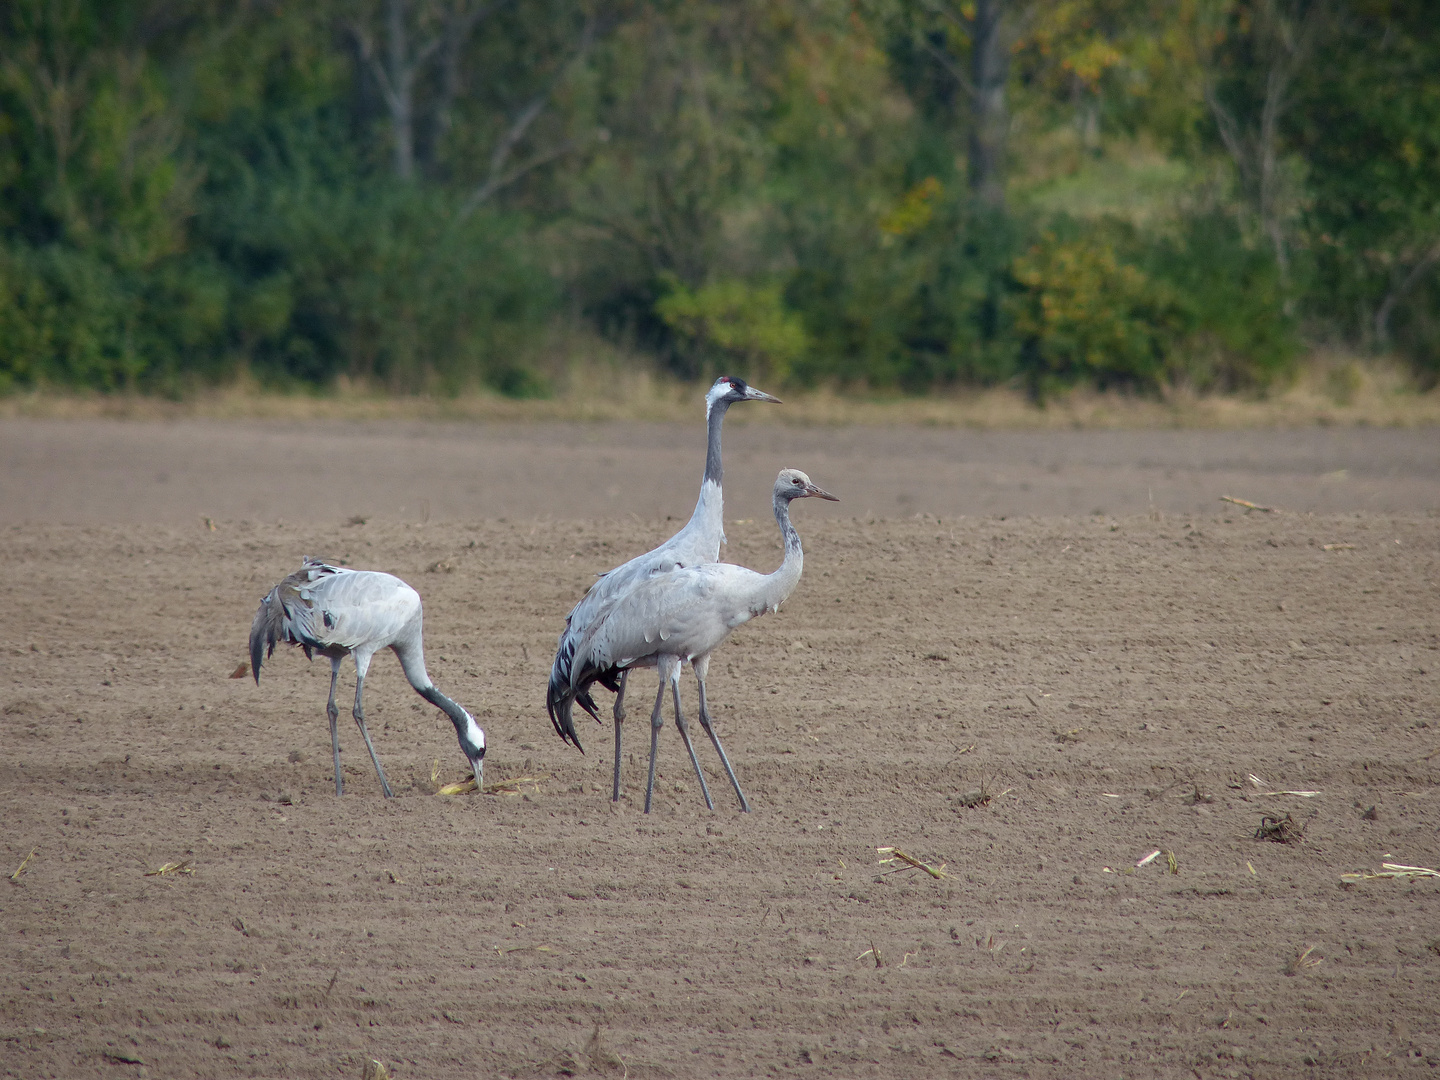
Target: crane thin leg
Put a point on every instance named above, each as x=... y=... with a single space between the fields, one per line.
x=709 y=727
x=620 y=697
x=334 y=714
x=619 y=719
x=656 y=721
x=685 y=734
x=615 y=790
x=360 y=720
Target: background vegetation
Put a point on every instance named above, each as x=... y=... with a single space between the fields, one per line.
x=421 y=194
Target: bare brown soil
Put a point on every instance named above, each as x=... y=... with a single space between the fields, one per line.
x=1029 y=705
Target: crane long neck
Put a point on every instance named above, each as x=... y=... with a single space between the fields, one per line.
x=707 y=522
x=412 y=659
x=457 y=715
x=714 y=420
x=778 y=586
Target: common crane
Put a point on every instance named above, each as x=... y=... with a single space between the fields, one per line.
x=683 y=616
x=339 y=612
x=698 y=542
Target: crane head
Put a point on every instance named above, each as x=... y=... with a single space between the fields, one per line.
x=732 y=388
x=472 y=742
x=794 y=484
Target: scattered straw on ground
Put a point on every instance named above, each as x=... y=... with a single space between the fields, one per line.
x=170 y=868
x=1250 y=505
x=1392 y=871
x=912 y=863
x=1284 y=830
x=1303 y=962
x=513 y=786
x=15 y=877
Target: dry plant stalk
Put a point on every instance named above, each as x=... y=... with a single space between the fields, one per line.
x=171 y=868
x=1338 y=547
x=1392 y=870
x=1249 y=505
x=1284 y=830
x=1257 y=782
x=600 y=1056
x=499 y=787
x=912 y=863
x=1304 y=962
x=872 y=951
x=241 y=671
x=15 y=877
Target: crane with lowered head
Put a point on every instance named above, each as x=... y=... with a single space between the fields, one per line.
x=339 y=612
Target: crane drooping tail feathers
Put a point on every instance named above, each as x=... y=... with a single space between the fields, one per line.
x=284 y=615
x=561 y=702
x=566 y=690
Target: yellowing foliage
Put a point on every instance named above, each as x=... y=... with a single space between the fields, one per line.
x=1086 y=314
x=915 y=209
x=745 y=324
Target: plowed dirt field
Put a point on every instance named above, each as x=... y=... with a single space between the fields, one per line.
x=1026 y=696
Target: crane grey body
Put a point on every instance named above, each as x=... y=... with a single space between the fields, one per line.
x=339 y=612
x=698 y=542
x=682 y=617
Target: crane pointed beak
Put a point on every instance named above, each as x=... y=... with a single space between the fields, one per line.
x=752 y=394
x=477 y=766
x=820 y=493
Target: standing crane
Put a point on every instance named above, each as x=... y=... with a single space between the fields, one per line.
x=339 y=612
x=684 y=616
x=698 y=542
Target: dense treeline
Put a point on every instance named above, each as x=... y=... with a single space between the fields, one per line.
x=897 y=193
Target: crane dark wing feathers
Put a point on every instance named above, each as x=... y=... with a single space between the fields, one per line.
x=283 y=615
x=565 y=689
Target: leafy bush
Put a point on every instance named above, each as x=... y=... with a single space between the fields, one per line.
x=1237 y=334
x=1086 y=315
x=1108 y=307
x=746 y=329
x=380 y=282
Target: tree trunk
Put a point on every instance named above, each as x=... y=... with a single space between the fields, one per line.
x=989 y=120
x=401 y=98
x=1397 y=293
x=395 y=74
x=1283 y=37
x=460 y=24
